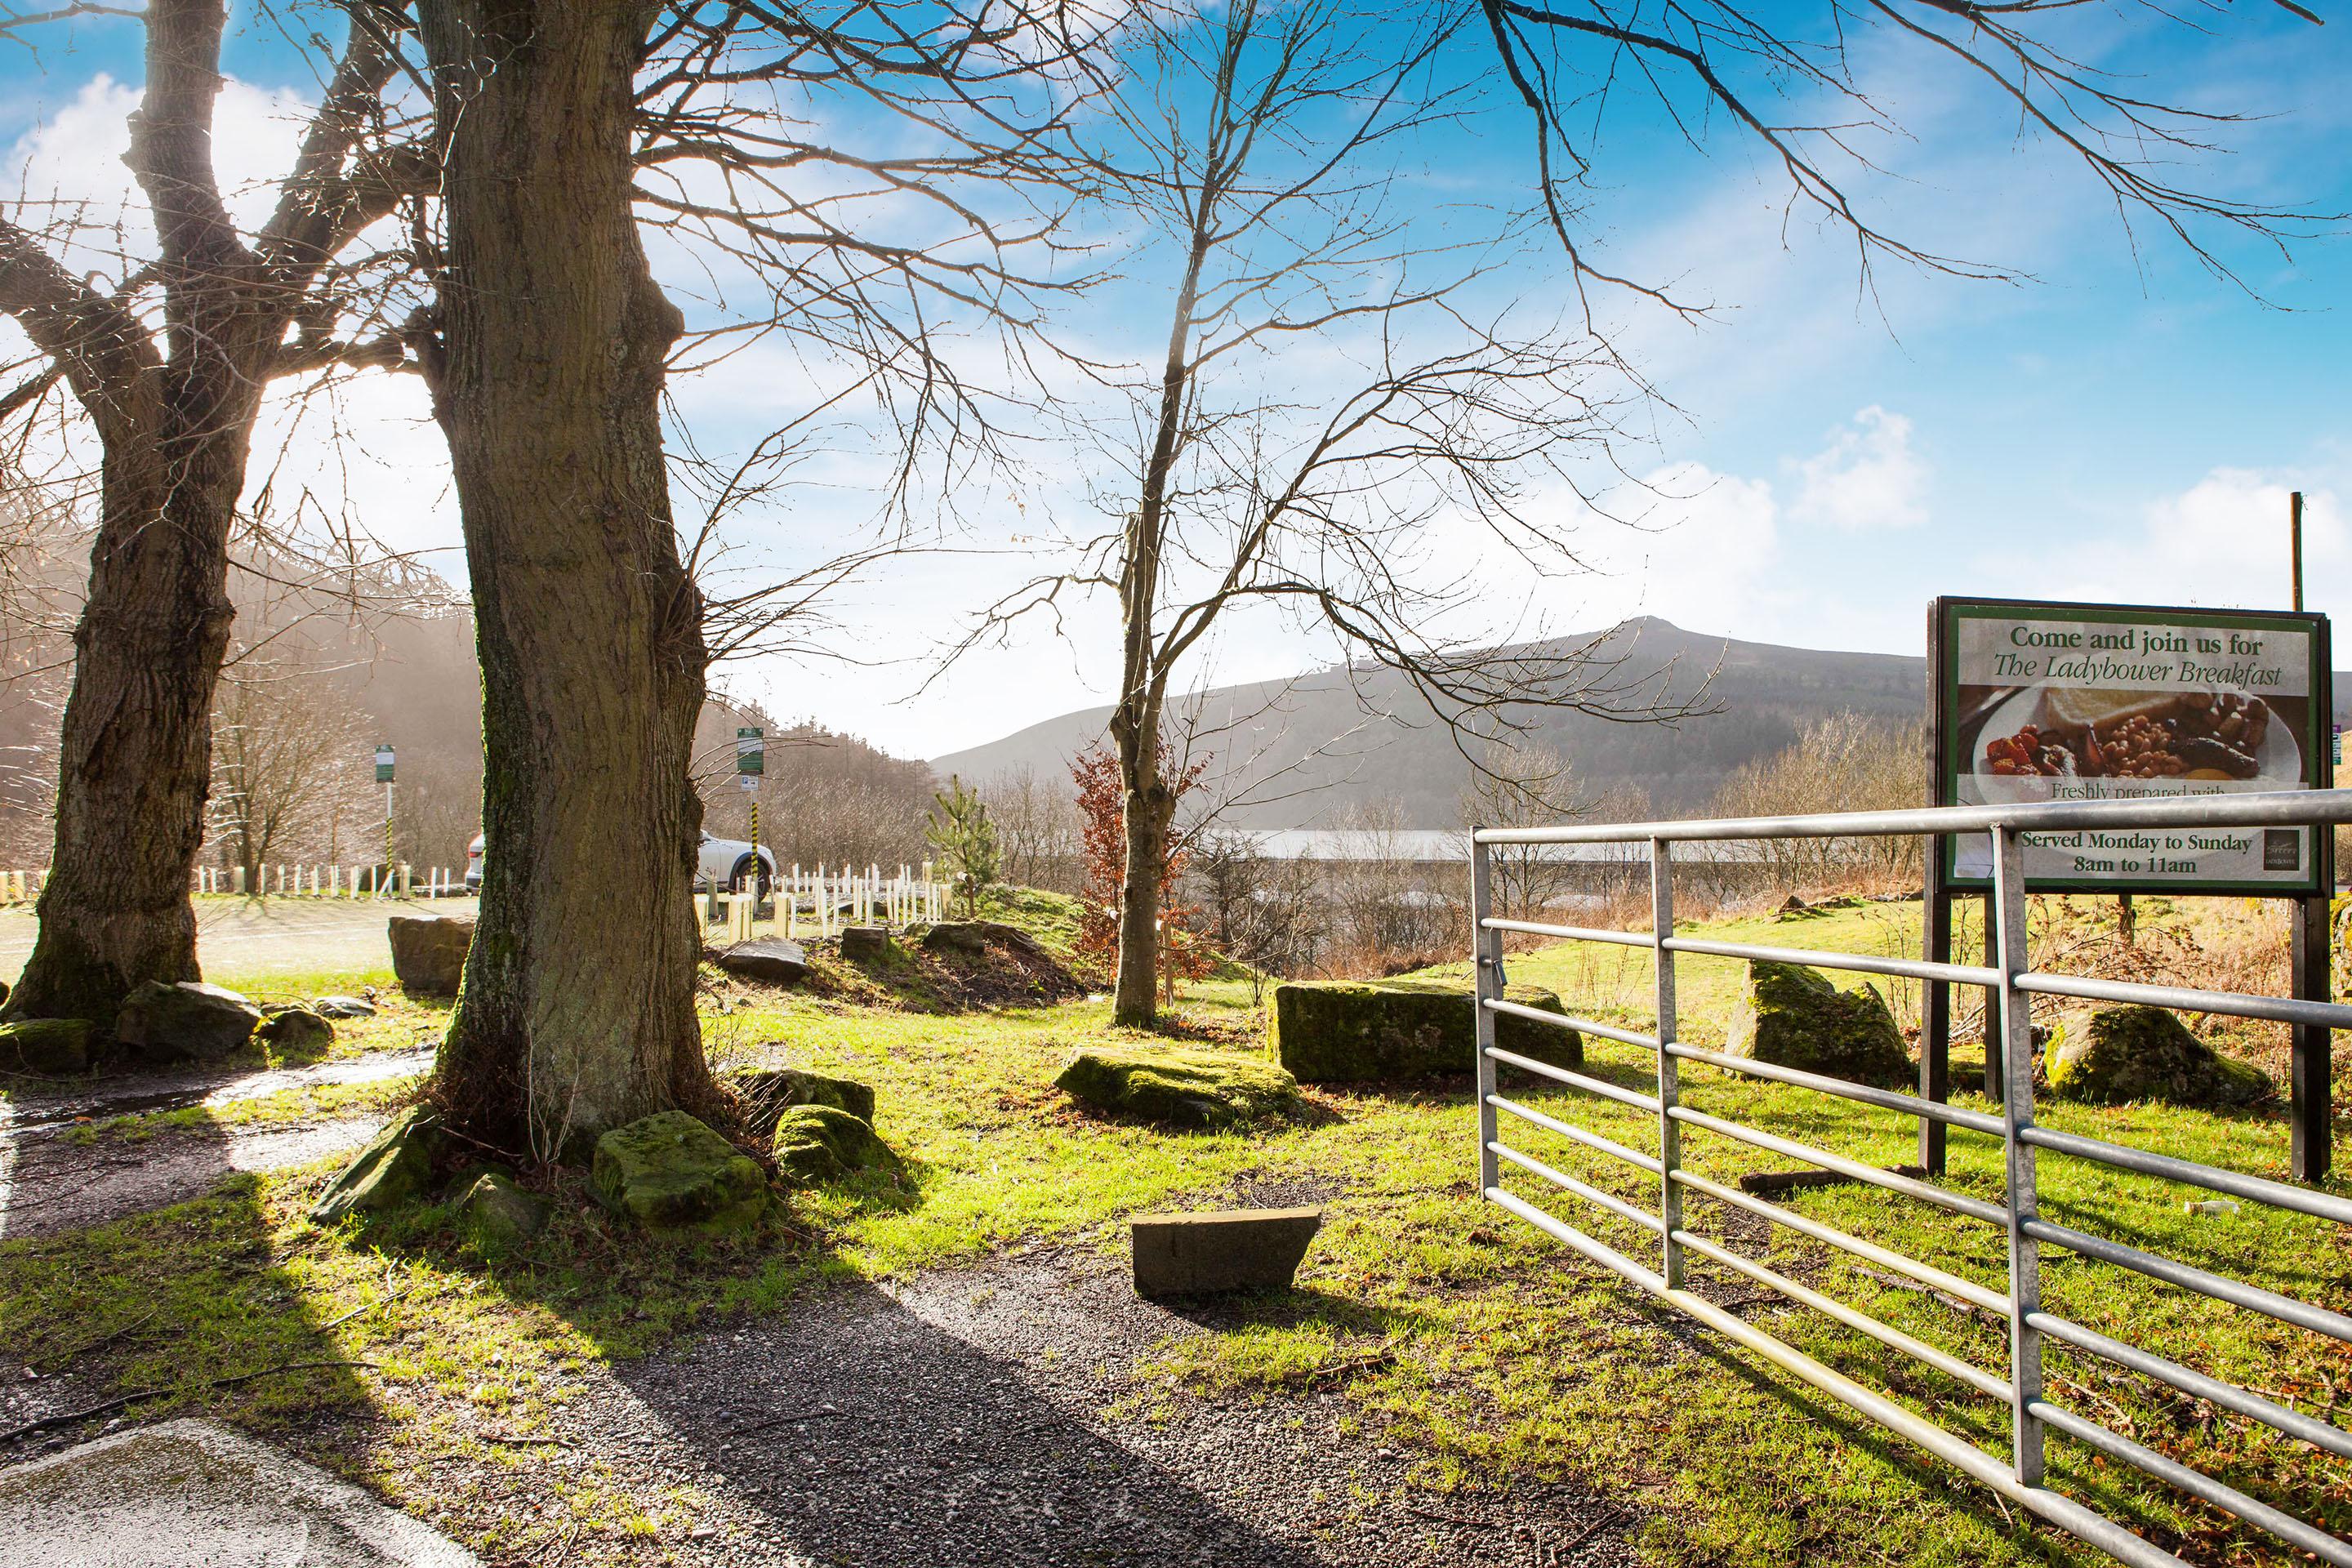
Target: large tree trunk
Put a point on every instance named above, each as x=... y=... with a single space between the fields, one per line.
x=135 y=753
x=577 y=1012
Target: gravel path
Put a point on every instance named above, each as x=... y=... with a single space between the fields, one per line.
x=50 y=1182
x=960 y=1420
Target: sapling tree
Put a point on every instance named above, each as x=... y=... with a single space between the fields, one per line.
x=963 y=837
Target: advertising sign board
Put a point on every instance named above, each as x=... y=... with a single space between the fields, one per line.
x=2041 y=701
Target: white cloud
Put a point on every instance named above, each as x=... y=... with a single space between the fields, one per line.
x=2221 y=542
x=1867 y=477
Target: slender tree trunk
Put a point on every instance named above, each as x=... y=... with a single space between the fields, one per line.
x=1148 y=811
x=576 y=1014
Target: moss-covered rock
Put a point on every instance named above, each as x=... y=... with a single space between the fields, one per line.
x=670 y=1172
x=1367 y=1031
x=187 y=1020
x=1179 y=1087
x=2108 y=1056
x=296 y=1032
x=394 y=1168
x=57 y=1047
x=498 y=1215
x=771 y=1091
x=1793 y=1016
x=820 y=1143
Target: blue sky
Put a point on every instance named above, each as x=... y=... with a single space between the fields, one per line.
x=2119 y=426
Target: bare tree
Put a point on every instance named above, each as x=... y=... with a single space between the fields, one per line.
x=287 y=757
x=167 y=362
x=1843 y=762
x=1263 y=911
x=1526 y=786
x=1256 y=141
x=1037 y=825
x=566 y=125
x=1387 y=913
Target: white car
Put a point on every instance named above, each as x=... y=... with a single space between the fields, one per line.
x=728 y=860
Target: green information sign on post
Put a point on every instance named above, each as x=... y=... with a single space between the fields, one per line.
x=383 y=760
x=751 y=751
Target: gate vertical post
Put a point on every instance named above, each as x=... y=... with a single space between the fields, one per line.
x=1670 y=1137
x=1487 y=979
x=2016 y=1115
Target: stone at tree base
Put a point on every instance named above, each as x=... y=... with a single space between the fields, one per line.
x=498 y=1215
x=189 y=1019
x=864 y=944
x=1793 y=1016
x=428 y=951
x=1201 y=1254
x=670 y=1172
x=770 y=961
x=55 y=1047
x=1369 y=1031
x=394 y=1168
x=343 y=1007
x=2109 y=1055
x=1177 y=1086
x=297 y=1031
x=772 y=1091
x=820 y=1143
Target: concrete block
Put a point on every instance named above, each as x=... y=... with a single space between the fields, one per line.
x=1201 y=1254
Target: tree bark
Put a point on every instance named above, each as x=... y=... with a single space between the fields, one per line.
x=577 y=1012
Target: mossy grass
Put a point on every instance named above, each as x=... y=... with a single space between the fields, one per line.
x=1460 y=1335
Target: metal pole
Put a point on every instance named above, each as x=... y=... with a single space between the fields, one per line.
x=755 y=852
x=2294 y=540
x=387 y=841
x=2017 y=1116
x=1487 y=982
x=1670 y=1139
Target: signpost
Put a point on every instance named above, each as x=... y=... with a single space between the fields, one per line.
x=2033 y=701
x=384 y=765
x=750 y=765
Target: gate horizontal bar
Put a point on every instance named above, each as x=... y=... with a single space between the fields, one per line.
x=1576 y=1134
x=1927 y=1274
x=2058 y=1509
x=1572 y=933
x=2196 y=1483
x=2270 y=808
x=2237 y=1292
x=1584 y=1190
x=1950 y=1365
x=2213 y=1178
x=2284 y=1009
x=1860 y=962
x=1887 y=1099
x=1975 y=1208
x=1606 y=1090
x=2228 y=1395
x=1570 y=1021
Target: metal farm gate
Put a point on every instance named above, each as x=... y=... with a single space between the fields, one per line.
x=2011 y=986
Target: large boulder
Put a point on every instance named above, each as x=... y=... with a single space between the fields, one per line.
x=57 y=1047
x=1179 y=1087
x=672 y=1173
x=774 y=1090
x=770 y=961
x=188 y=1020
x=296 y=1032
x=498 y=1215
x=428 y=951
x=820 y=1143
x=1369 y=1031
x=2108 y=1056
x=864 y=944
x=1793 y=1016
x=393 y=1169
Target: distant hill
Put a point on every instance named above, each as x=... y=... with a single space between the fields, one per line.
x=1382 y=741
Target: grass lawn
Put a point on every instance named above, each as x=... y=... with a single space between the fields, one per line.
x=1463 y=1335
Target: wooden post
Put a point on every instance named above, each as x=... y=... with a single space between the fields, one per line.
x=1936 y=1013
x=1995 y=1026
x=2295 y=542
x=2127 y=921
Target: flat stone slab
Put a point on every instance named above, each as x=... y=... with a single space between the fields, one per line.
x=772 y=961
x=1204 y=1254
x=194 y=1494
